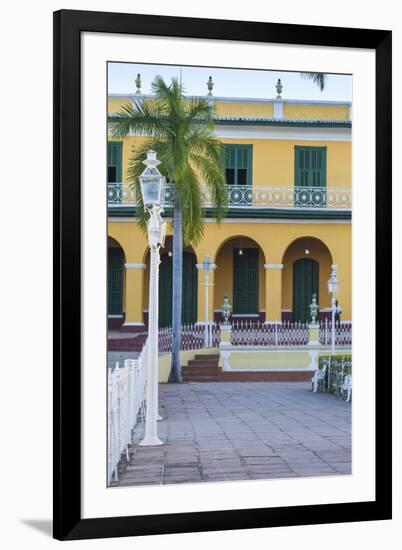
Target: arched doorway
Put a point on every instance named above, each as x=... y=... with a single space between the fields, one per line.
x=306 y=268
x=189 y=296
x=241 y=275
x=305 y=284
x=115 y=277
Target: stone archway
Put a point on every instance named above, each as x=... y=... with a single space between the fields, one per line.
x=240 y=273
x=306 y=268
x=115 y=283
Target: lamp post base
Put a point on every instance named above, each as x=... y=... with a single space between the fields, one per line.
x=150 y=442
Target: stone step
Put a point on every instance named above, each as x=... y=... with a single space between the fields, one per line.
x=199 y=372
x=202 y=363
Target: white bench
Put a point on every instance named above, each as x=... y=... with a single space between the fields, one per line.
x=318 y=376
x=346 y=387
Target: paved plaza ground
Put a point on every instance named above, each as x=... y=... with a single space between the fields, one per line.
x=243 y=430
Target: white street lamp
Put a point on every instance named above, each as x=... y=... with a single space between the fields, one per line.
x=333 y=287
x=151 y=182
x=207 y=266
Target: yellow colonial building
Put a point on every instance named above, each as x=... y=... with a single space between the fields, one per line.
x=288 y=176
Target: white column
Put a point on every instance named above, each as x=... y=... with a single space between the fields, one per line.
x=151 y=417
x=208 y=328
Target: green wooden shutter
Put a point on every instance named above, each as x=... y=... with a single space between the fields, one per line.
x=114 y=161
x=310 y=166
x=115 y=281
x=189 y=300
x=238 y=164
x=189 y=295
x=305 y=284
x=245 y=281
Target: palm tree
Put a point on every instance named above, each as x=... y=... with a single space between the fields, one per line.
x=317 y=78
x=179 y=129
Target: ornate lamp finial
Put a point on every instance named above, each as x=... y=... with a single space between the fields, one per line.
x=138 y=83
x=210 y=85
x=226 y=310
x=314 y=309
x=279 y=89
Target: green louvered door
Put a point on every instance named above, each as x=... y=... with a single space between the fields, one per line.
x=189 y=302
x=114 y=161
x=305 y=284
x=115 y=281
x=245 y=281
x=311 y=171
x=238 y=172
x=189 y=298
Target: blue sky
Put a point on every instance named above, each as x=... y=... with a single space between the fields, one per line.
x=229 y=82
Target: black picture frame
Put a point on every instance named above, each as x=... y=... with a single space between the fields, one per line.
x=68 y=26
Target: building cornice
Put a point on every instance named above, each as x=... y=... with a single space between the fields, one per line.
x=246 y=214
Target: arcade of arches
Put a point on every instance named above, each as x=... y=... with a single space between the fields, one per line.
x=268 y=279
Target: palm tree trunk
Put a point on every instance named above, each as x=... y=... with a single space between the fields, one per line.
x=175 y=369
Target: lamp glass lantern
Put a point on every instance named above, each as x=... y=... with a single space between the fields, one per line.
x=333 y=283
x=151 y=181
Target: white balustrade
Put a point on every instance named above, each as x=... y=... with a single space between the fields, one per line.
x=250 y=196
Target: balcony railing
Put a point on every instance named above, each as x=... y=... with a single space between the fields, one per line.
x=245 y=196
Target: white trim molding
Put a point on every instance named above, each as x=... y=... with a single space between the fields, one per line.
x=135 y=266
x=273 y=266
x=292 y=133
x=115 y=316
x=132 y=324
x=238 y=315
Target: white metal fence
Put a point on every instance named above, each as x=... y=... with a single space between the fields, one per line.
x=192 y=337
x=343 y=333
x=252 y=333
x=126 y=388
x=248 y=333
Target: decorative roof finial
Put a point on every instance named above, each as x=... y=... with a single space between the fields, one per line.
x=138 y=83
x=279 y=89
x=210 y=85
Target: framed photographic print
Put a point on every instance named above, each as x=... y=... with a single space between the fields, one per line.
x=222 y=207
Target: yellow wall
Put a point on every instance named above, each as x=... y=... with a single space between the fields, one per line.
x=114 y=104
x=261 y=109
x=273 y=239
x=273 y=165
x=273 y=161
x=246 y=109
x=316 y=112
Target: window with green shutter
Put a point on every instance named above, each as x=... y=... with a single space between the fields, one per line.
x=245 y=280
x=238 y=164
x=114 y=161
x=310 y=166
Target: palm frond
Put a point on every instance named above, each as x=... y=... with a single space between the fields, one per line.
x=318 y=78
x=147 y=118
